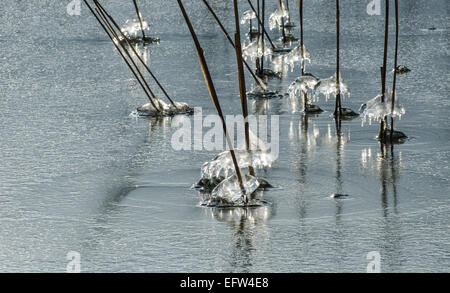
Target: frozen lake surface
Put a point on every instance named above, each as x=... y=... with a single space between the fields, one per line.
x=77 y=173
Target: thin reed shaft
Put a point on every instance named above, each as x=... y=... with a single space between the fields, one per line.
x=137 y=55
x=338 y=108
x=212 y=92
x=121 y=54
x=260 y=23
x=140 y=18
x=227 y=35
x=394 y=82
x=108 y=24
x=300 y=7
x=283 y=32
x=242 y=89
x=263 y=16
x=383 y=123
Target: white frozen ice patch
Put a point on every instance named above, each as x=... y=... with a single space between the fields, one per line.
x=376 y=110
x=276 y=18
x=329 y=87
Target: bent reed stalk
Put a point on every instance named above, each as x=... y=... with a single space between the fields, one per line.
x=213 y=94
x=97 y=17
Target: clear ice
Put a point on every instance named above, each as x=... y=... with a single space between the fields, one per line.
x=229 y=192
x=376 y=110
x=306 y=83
x=255 y=49
x=328 y=87
x=275 y=18
x=248 y=15
x=132 y=28
x=296 y=56
x=163 y=109
x=223 y=163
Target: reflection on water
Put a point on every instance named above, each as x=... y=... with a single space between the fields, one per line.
x=249 y=230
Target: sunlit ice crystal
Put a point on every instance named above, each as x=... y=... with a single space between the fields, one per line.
x=132 y=28
x=303 y=84
x=230 y=193
x=329 y=87
x=375 y=109
x=248 y=15
x=275 y=19
x=163 y=109
x=295 y=56
x=223 y=163
x=256 y=49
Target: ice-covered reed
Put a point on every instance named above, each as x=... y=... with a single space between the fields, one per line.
x=329 y=87
x=295 y=56
x=248 y=16
x=276 y=19
x=256 y=49
x=377 y=109
x=132 y=27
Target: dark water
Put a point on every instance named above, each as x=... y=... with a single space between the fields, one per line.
x=78 y=173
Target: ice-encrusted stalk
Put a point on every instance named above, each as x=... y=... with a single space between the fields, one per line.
x=227 y=35
x=108 y=25
x=338 y=107
x=382 y=132
x=395 y=70
x=121 y=54
x=135 y=52
x=140 y=18
x=261 y=24
x=212 y=93
x=242 y=89
x=283 y=32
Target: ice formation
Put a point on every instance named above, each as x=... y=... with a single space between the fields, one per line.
x=328 y=87
x=296 y=56
x=229 y=192
x=223 y=164
x=376 y=110
x=276 y=18
x=132 y=28
x=255 y=49
x=164 y=109
x=248 y=15
x=304 y=84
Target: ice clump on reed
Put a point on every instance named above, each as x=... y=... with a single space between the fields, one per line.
x=296 y=56
x=229 y=193
x=329 y=87
x=163 y=109
x=255 y=49
x=375 y=109
x=277 y=17
x=223 y=163
x=248 y=15
x=306 y=83
x=132 y=28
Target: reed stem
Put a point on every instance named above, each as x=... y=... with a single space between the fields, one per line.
x=227 y=35
x=338 y=108
x=213 y=94
x=261 y=24
x=137 y=55
x=121 y=54
x=108 y=25
x=394 y=82
x=242 y=89
x=383 y=124
x=140 y=18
